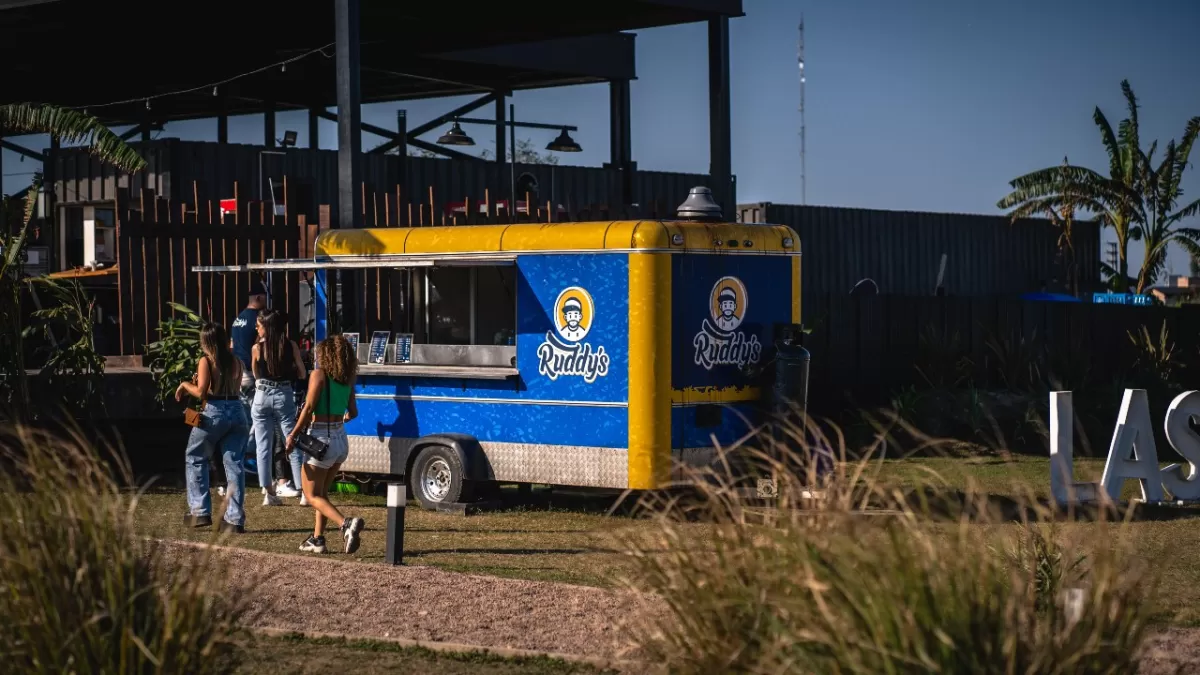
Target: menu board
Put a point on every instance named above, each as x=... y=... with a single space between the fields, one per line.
x=352 y=338
x=378 y=353
x=404 y=343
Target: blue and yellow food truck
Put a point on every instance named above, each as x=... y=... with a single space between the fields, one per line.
x=595 y=354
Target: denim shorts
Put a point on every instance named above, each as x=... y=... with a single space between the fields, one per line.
x=339 y=446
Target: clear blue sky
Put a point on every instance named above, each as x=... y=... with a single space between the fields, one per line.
x=922 y=105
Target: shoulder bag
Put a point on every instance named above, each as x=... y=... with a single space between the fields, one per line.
x=193 y=417
x=311 y=445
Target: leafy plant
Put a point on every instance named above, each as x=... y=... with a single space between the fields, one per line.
x=84 y=590
x=74 y=372
x=1114 y=198
x=14 y=385
x=1160 y=193
x=173 y=357
x=1155 y=363
x=1045 y=560
x=70 y=126
x=1018 y=363
x=943 y=361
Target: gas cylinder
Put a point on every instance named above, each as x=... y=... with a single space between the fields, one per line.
x=791 y=370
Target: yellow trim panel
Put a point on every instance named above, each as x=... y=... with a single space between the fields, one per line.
x=649 y=370
x=696 y=395
x=672 y=236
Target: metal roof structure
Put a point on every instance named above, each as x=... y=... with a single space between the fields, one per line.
x=113 y=57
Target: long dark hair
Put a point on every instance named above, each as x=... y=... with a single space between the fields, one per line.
x=275 y=347
x=214 y=342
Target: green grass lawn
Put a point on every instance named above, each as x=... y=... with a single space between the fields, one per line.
x=1019 y=475
x=550 y=544
x=576 y=545
x=295 y=654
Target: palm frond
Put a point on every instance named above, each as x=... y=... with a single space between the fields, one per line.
x=70 y=126
x=1110 y=142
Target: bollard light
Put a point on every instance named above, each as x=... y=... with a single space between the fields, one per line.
x=397 y=497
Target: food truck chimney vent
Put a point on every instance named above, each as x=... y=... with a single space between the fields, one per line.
x=699 y=205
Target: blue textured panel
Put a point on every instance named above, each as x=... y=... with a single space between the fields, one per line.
x=685 y=433
x=765 y=283
x=541 y=281
x=493 y=422
x=602 y=295
x=319 y=304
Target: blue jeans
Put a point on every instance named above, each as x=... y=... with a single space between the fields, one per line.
x=247 y=394
x=223 y=428
x=274 y=408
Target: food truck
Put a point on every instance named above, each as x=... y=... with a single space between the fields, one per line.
x=595 y=354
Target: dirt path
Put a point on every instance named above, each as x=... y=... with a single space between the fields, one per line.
x=322 y=594
x=327 y=595
x=1174 y=651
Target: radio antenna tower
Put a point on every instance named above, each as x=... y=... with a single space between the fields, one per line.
x=800 y=61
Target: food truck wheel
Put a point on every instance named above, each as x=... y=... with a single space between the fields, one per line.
x=437 y=477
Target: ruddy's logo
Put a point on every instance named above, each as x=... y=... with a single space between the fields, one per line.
x=719 y=342
x=566 y=354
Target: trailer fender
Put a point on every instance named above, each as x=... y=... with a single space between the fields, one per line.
x=468 y=449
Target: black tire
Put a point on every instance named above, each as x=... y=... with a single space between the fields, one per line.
x=438 y=478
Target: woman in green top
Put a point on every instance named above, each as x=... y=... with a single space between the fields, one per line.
x=330 y=403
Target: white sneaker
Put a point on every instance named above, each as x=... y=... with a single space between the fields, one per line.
x=303 y=500
x=272 y=500
x=286 y=491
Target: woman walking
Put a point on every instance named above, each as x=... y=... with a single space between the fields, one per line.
x=276 y=362
x=329 y=404
x=223 y=429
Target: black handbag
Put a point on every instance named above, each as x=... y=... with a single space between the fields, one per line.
x=312 y=446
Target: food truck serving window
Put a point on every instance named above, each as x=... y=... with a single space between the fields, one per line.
x=471 y=305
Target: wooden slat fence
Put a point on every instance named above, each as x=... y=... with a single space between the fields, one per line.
x=865 y=349
x=159 y=242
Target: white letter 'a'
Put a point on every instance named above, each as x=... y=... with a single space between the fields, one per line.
x=1132 y=454
x=1183 y=485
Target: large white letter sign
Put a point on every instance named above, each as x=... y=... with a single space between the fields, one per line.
x=1062 y=445
x=1132 y=454
x=1186 y=443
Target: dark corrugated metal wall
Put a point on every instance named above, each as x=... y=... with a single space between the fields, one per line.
x=174 y=164
x=901 y=251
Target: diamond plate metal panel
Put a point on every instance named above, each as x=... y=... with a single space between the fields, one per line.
x=368 y=454
x=559 y=464
x=518 y=462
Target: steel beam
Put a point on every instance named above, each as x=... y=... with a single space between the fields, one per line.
x=501 y=136
x=620 y=139
x=720 y=150
x=137 y=129
x=521 y=125
x=314 y=136
x=21 y=150
x=402 y=150
x=347 y=27
x=609 y=56
x=223 y=117
x=450 y=116
x=269 y=125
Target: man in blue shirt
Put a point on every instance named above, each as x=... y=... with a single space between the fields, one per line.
x=242 y=337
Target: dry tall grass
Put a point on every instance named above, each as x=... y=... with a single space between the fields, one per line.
x=818 y=586
x=83 y=592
